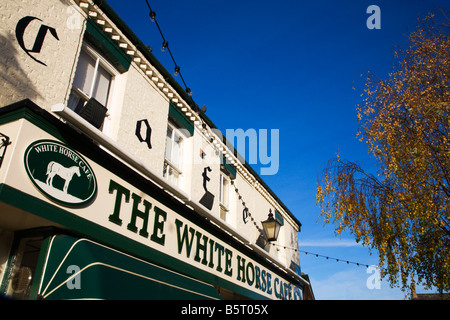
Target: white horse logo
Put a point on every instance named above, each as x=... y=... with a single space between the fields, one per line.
x=66 y=174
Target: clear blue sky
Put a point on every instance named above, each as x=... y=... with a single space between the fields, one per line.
x=296 y=66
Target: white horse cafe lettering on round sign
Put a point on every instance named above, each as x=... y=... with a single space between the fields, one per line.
x=60 y=173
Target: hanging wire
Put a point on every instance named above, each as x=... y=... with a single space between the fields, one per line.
x=249 y=214
x=165 y=47
x=337 y=259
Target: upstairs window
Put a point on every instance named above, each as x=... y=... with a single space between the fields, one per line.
x=93 y=79
x=100 y=62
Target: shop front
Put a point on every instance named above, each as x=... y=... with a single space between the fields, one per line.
x=82 y=219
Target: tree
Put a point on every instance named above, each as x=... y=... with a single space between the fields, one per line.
x=404 y=211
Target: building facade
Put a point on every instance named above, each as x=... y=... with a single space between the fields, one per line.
x=113 y=183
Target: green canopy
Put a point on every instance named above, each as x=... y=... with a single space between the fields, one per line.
x=82 y=269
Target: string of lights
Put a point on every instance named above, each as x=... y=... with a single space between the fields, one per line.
x=165 y=47
x=247 y=211
x=286 y=247
x=322 y=256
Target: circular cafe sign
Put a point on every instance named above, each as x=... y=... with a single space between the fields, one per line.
x=60 y=173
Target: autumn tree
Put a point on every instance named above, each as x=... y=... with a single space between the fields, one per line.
x=403 y=210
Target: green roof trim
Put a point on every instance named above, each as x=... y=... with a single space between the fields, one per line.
x=229 y=168
x=279 y=217
x=180 y=118
x=107 y=47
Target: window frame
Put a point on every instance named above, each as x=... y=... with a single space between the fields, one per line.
x=99 y=61
x=224 y=196
x=168 y=163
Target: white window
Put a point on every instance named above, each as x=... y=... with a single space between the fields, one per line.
x=224 y=196
x=93 y=79
x=173 y=155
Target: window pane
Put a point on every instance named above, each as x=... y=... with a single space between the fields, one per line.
x=85 y=73
x=170 y=173
x=223 y=194
x=169 y=144
x=176 y=150
x=221 y=189
x=169 y=132
x=102 y=85
x=75 y=102
x=173 y=176
x=25 y=263
x=174 y=144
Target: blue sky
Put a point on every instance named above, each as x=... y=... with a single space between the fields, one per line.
x=296 y=66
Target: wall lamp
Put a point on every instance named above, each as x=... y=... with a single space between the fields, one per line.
x=271 y=227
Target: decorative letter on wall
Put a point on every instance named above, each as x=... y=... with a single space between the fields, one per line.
x=245 y=215
x=208 y=198
x=20 y=31
x=148 y=132
x=205 y=177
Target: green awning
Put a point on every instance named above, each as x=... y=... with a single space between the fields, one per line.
x=180 y=119
x=82 y=269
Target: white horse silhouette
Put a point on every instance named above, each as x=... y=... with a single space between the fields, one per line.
x=66 y=174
